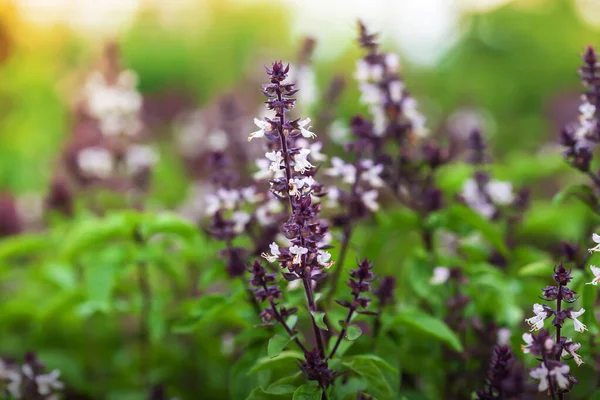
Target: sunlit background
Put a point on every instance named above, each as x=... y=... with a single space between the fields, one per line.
x=507 y=66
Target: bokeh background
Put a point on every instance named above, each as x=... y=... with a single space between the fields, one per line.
x=507 y=67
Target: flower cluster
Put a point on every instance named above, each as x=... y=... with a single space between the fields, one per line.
x=107 y=144
x=29 y=380
x=504 y=376
x=481 y=193
x=393 y=110
x=580 y=138
x=552 y=374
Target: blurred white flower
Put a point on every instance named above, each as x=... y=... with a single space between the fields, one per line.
x=528 y=339
x=240 y=220
x=372 y=175
x=369 y=199
x=396 y=89
x=96 y=161
x=46 y=383
x=440 y=275
x=503 y=336
x=501 y=192
x=139 y=158
x=540 y=373
x=340 y=168
x=560 y=374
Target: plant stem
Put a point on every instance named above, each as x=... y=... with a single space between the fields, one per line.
x=342 y=333
x=311 y=308
x=144 y=322
x=558 y=308
x=335 y=276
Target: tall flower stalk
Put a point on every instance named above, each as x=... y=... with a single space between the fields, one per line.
x=553 y=375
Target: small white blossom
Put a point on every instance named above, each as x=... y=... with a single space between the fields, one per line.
x=249 y=194
x=298 y=251
x=301 y=162
x=371 y=94
x=338 y=132
x=305 y=131
x=541 y=373
x=327 y=238
x=537 y=322
x=46 y=383
x=440 y=275
x=229 y=197
x=276 y=161
x=417 y=120
x=275 y=253
x=587 y=110
x=14 y=384
x=212 y=204
x=571 y=348
x=96 y=161
x=240 y=220
x=503 y=337
x=500 y=192
x=315 y=149
x=369 y=198
x=333 y=197
x=396 y=89
x=560 y=374
x=139 y=158
x=368 y=72
x=324 y=258
x=217 y=140
x=379 y=120
x=392 y=62
x=596 y=239
x=298 y=186
x=264 y=126
x=340 y=168
x=263 y=169
x=372 y=175
x=528 y=339
x=579 y=327
x=596 y=272
x=265 y=213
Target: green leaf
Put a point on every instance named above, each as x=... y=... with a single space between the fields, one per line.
x=308 y=392
x=23 y=245
x=583 y=193
x=284 y=385
x=260 y=394
x=353 y=332
x=588 y=297
x=168 y=223
x=99 y=283
x=370 y=368
x=537 y=268
x=424 y=323
x=285 y=357
x=319 y=318
x=276 y=344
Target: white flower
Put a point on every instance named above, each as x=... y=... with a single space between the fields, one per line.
x=340 y=168
x=417 y=120
x=333 y=197
x=305 y=131
x=596 y=239
x=596 y=272
x=301 y=162
x=263 y=169
x=46 y=383
x=366 y=71
x=265 y=213
x=14 y=385
x=371 y=94
x=240 y=219
x=541 y=373
x=571 y=348
x=96 y=161
x=217 y=140
x=298 y=186
x=476 y=199
x=229 y=197
x=324 y=258
x=379 y=120
x=579 y=327
x=327 y=238
x=392 y=62
x=298 y=251
x=274 y=253
x=587 y=110
x=537 y=322
x=396 y=89
x=249 y=194
x=503 y=336
x=212 y=204
x=440 y=275
x=276 y=161
x=338 y=132
x=139 y=158
x=369 y=198
x=371 y=175
x=264 y=126
x=315 y=149
x=500 y=192
x=560 y=374
x=528 y=339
